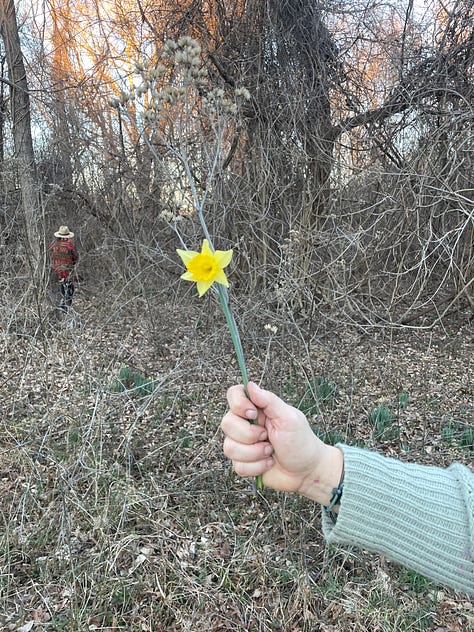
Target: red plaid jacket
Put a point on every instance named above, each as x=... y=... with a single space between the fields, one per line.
x=64 y=258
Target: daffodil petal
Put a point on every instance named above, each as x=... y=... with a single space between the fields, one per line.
x=221 y=278
x=223 y=257
x=203 y=286
x=187 y=276
x=206 y=249
x=186 y=255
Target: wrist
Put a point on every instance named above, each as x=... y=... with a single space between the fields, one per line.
x=325 y=477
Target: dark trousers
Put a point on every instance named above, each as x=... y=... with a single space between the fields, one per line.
x=67 y=292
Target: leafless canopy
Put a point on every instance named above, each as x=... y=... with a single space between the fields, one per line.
x=345 y=183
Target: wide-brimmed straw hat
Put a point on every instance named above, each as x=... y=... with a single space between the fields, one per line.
x=64 y=233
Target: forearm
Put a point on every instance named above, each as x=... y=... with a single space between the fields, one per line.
x=419 y=516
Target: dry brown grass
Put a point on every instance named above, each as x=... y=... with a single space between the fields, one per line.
x=119 y=511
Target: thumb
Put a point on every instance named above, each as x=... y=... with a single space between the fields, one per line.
x=268 y=402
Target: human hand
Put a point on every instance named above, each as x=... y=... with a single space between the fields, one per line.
x=281 y=445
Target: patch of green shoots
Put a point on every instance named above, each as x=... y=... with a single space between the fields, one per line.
x=318 y=391
x=133 y=381
x=381 y=419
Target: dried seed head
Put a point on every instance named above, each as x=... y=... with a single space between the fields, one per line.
x=243 y=93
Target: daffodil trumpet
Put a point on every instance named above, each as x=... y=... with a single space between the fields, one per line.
x=206 y=268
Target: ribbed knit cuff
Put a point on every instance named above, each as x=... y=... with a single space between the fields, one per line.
x=416 y=515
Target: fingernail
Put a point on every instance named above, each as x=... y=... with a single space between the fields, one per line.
x=263 y=436
x=268 y=450
x=251 y=414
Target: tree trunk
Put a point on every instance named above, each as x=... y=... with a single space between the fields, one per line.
x=21 y=119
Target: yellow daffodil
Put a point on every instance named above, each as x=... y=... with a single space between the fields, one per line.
x=205 y=267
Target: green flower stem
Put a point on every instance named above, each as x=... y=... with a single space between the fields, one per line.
x=234 y=332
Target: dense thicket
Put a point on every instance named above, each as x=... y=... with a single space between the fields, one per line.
x=345 y=182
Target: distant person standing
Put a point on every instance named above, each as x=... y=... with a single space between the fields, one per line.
x=64 y=259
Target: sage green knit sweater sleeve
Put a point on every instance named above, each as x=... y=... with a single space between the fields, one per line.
x=417 y=515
